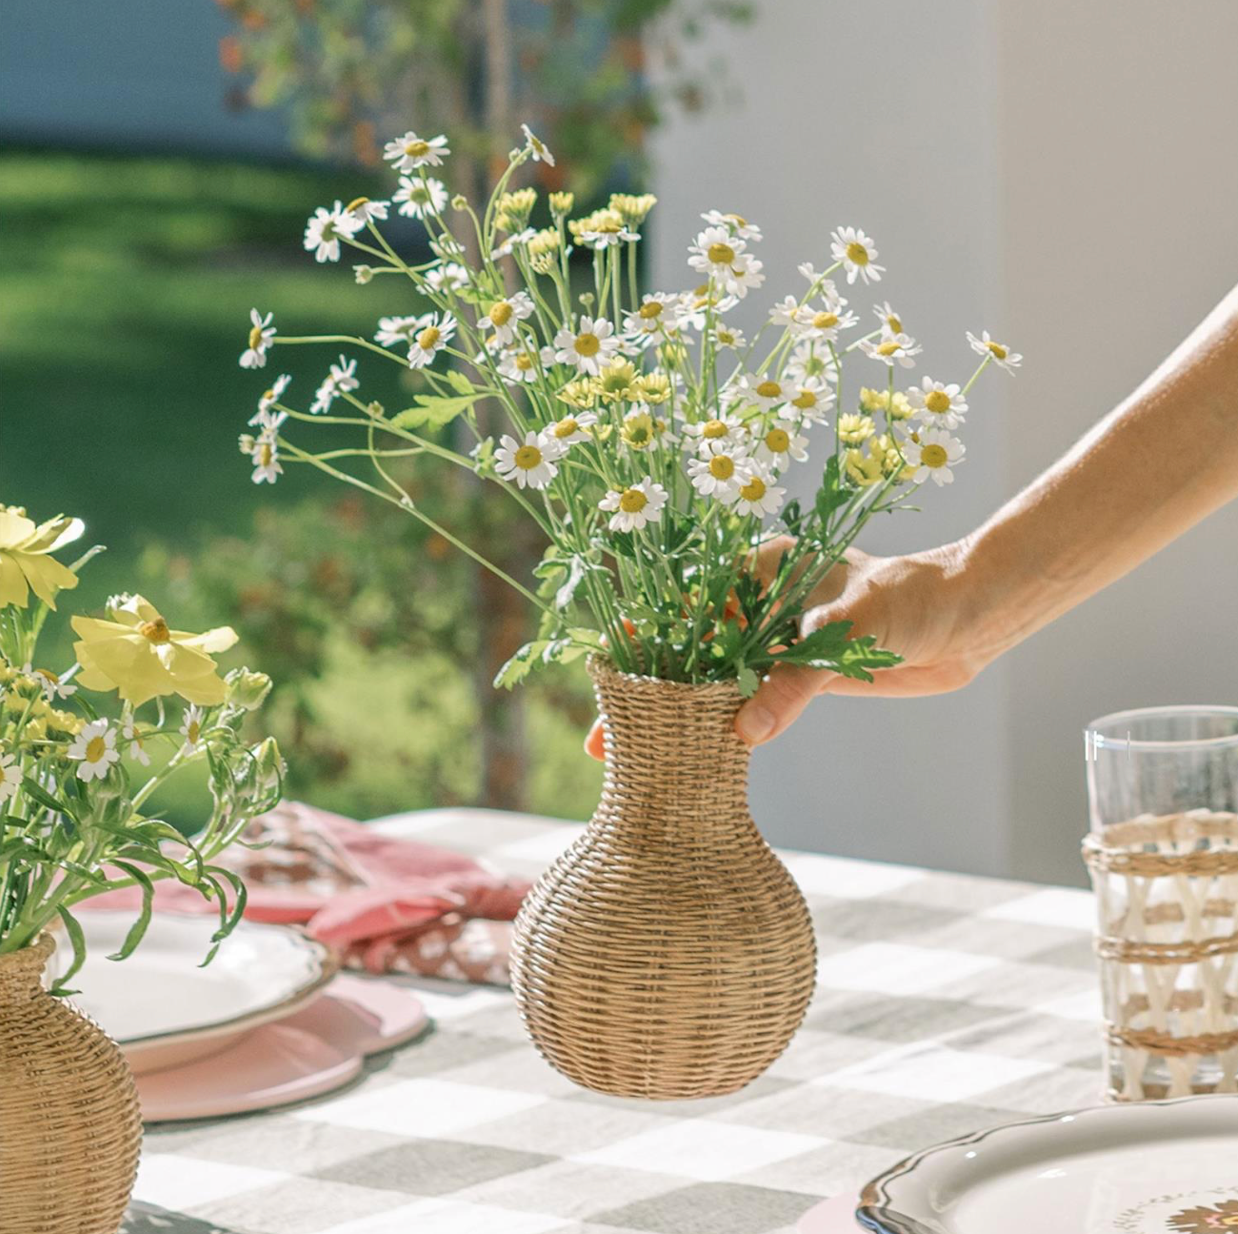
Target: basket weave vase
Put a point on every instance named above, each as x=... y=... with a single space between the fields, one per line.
x=668 y=953
x=70 y=1128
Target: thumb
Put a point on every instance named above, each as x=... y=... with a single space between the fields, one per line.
x=779 y=701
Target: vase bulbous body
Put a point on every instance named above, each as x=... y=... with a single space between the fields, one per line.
x=668 y=953
x=70 y=1125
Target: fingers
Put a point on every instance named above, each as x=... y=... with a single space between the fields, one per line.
x=779 y=701
x=594 y=742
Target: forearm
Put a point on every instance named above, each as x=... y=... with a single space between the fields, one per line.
x=1157 y=465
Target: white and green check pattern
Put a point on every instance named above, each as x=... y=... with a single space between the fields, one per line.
x=945 y=1003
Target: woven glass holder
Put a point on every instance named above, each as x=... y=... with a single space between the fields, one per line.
x=1166 y=884
x=70 y=1127
x=668 y=953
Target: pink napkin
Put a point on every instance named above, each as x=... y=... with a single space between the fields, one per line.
x=389 y=905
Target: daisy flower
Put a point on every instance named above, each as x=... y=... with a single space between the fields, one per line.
x=571 y=428
x=191 y=729
x=1002 y=356
x=399 y=331
x=763 y=392
x=720 y=433
x=129 y=732
x=879 y=400
x=266 y=404
x=530 y=463
x=937 y=404
x=431 y=339
x=51 y=684
x=410 y=151
x=810 y=400
x=537 y=148
x=364 y=210
x=417 y=197
x=736 y=224
x=695 y=307
x=265 y=454
x=325 y=229
x=787 y=312
x=892 y=349
x=933 y=453
x=759 y=495
x=729 y=336
x=450 y=276
x=503 y=316
x=659 y=310
x=260 y=338
x=891 y=322
x=782 y=443
x=338 y=381
x=94 y=748
x=827 y=289
x=854 y=430
x=505 y=249
x=518 y=364
x=823 y=324
x=857 y=253
x=807 y=363
x=632 y=508
x=721 y=255
x=10 y=777
x=591 y=345
x=720 y=475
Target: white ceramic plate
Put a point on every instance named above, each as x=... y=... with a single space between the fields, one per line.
x=1168 y=1167
x=164 y=1009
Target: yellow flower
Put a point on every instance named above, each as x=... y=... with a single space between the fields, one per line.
x=655 y=387
x=855 y=430
x=879 y=400
x=25 y=564
x=618 y=382
x=513 y=209
x=136 y=653
x=562 y=203
x=633 y=210
x=579 y=393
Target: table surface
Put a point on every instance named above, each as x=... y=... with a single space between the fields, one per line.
x=945 y=1003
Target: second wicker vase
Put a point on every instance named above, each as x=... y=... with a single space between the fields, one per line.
x=668 y=953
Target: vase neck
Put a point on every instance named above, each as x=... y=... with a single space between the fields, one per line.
x=21 y=972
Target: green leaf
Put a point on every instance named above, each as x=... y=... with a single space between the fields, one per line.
x=575 y=572
x=77 y=938
x=522 y=662
x=459 y=382
x=748 y=682
x=36 y=793
x=831 y=494
x=434 y=410
x=829 y=647
x=138 y=929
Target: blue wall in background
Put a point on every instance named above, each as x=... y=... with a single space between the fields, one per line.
x=123 y=73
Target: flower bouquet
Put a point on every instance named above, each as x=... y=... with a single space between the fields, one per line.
x=77 y=789
x=653 y=444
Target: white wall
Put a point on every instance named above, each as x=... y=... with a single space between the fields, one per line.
x=1065 y=176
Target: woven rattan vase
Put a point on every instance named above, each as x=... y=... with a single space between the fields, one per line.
x=70 y=1129
x=668 y=953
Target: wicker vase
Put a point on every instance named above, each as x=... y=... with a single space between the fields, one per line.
x=668 y=953
x=70 y=1128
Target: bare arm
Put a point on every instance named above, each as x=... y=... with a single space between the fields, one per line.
x=1154 y=467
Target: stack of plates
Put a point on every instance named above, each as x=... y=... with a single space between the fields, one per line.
x=266 y=1023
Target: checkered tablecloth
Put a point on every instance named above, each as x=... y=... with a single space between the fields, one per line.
x=945 y=1003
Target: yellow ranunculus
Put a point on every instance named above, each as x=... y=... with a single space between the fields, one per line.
x=135 y=652
x=25 y=564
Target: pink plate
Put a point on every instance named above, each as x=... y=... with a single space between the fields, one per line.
x=313 y=1051
x=833 y=1216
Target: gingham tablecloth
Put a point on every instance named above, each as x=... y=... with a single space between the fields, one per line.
x=945 y=1003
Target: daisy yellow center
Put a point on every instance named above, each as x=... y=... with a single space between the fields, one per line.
x=417 y=149
x=933 y=455
x=857 y=254
x=725 y=337
x=998 y=350
x=524 y=362
x=650 y=310
x=737 y=219
x=714 y=429
x=419 y=194
x=566 y=427
x=428 y=339
x=804 y=400
x=825 y=320
x=266 y=456
x=889 y=348
x=355 y=203
x=769 y=389
x=47 y=675
x=96 y=747
x=633 y=501
x=255 y=338
x=193 y=731
x=894 y=323
x=269 y=396
x=500 y=313
x=720 y=254
x=587 y=345
x=721 y=467
x=938 y=401
x=536 y=144
x=155 y=631
x=754 y=490
x=528 y=457
x=778 y=440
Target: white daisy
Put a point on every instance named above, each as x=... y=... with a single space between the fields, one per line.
x=659 y=311
x=410 y=151
x=720 y=433
x=537 y=148
x=810 y=399
x=891 y=322
x=787 y=312
x=827 y=289
x=936 y=404
x=191 y=729
x=53 y=686
x=417 y=197
x=759 y=495
x=431 y=339
x=94 y=748
x=571 y=428
x=399 y=331
x=341 y=378
x=364 y=210
x=590 y=346
x=695 y=307
x=531 y=463
x=10 y=777
x=264 y=451
x=715 y=252
x=745 y=275
x=857 y=253
x=260 y=337
x=325 y=229
x=932 y=453
x=729 y=336
x=807 y=362
x=606 y=237
x=892 y=349
x=266 y=404
x=735 y=223
x=823 y=324
x=763 y=392
x=451 y=275
x=504 y=249
x=782 y=442
x=1003 y=357
x=503 y=316
x=518 y=364
x=720 y=474
x=632 y=508
x=136 y=751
